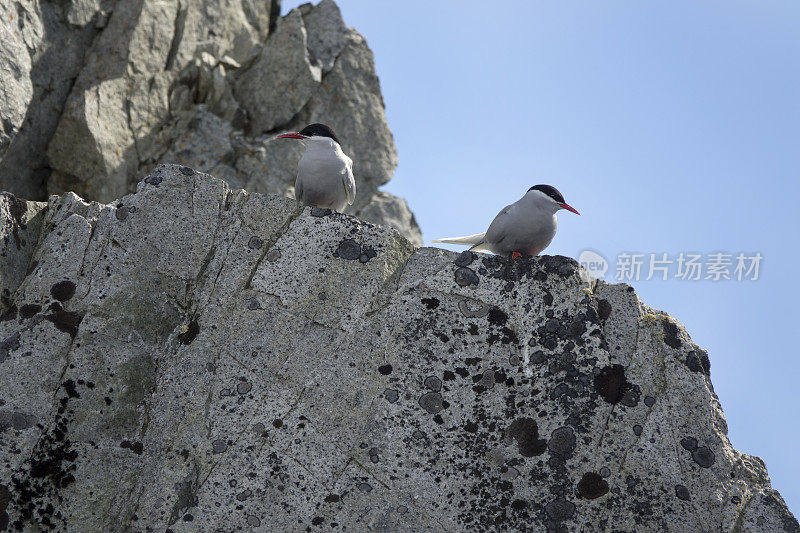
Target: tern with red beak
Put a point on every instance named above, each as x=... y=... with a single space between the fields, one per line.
x=325 y=173
x=525 y=227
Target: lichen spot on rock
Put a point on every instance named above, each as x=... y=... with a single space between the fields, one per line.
x=189 y=332
x=592 y=486
x=63 y=290
x=610 y=383
x=526 y=432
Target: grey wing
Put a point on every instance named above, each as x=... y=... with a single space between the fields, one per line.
x=498 y=229
x=349 y=181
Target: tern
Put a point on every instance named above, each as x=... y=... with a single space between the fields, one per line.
x=525 y=227
x=324 y=173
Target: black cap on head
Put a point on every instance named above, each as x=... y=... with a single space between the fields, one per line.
x=319 y=130
x=552 y=192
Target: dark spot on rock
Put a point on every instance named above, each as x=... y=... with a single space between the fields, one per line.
x=438 y=419
x=698 y=363
x=187 y=517
x=431 y=402
x=320 y=212
x=703 y=456
x=649 y=401
x=153 y=180
x=519 y=505
x=278 y=423
x=497 y=317
x=65 y=321
x=430 y=303
x=682 y=493
x=464 y=259
x=560 y=265
x=122 y=212
x=367 y=253
x=332 y=498
x=637 y=430
x=135 y=447
x=448 y=375
x=255 y=243
x=433 y=383
x=5 y=499
x=526 y=432
x=631 y=396
x=610 y=383
x=9 y=314
x=244 y=387
x=592 y=486
x=186 y=171
x=29 y=310
x=689 y=443
x=603 y=309
x=562 y=441
x=560 y=509
x=548 y=298
x=385 y=369
x=348 y=249
x=190 y=334
x=391 y=395
x=63 y=290
x=671 y=334
x=463 y=372
x=9 y=345
x=317 y=520
x=465 y=276
x=364 y=487
x=69 y=387
x=471 y=427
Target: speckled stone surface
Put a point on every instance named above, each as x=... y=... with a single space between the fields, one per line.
x=196 y=358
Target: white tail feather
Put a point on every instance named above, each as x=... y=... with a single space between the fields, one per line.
x=469 y=239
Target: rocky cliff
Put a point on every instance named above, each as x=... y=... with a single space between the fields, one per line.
x=193 y=357
x=98 y=92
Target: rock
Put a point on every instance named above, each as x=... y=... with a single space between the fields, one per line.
x=234 y=360
x=98 y=92
x=41 y=54
x=222 y=28
x=393 y=212
x=17 y=91
x=281 y=80
x=327 y=33
x=19 y=230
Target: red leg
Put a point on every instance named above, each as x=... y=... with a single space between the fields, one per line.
x=514 y=255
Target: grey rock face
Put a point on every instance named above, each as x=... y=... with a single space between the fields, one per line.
x=282 y=78
x=98 y=92
x=194 y=357
x=42 y=46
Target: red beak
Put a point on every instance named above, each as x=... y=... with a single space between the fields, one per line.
x=569 y=208
x=291 y=136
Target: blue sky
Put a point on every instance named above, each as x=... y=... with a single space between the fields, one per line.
x=671 y=126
